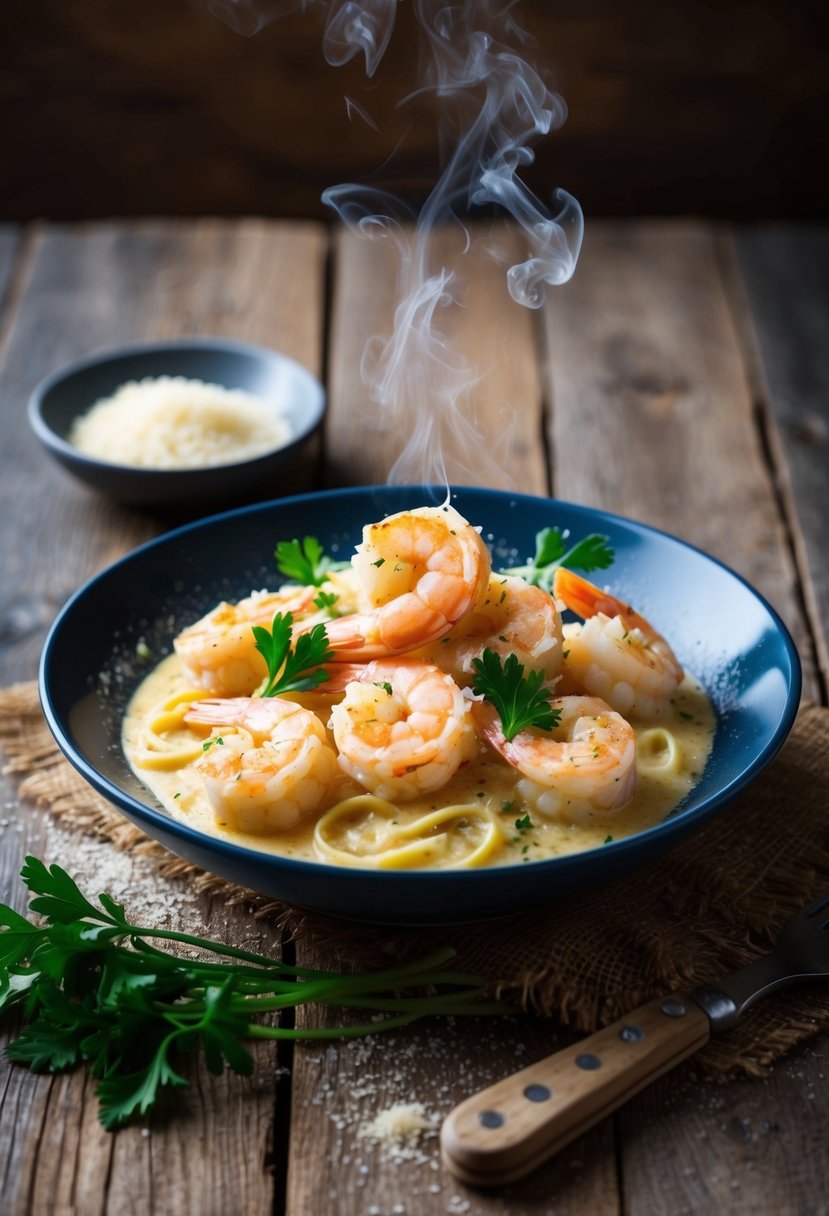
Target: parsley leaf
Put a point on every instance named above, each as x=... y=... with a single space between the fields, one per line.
x=93 y=989
x=521 y=700
x=594 y=552
x=305 y=561
x=292 y=669
x=326 y=601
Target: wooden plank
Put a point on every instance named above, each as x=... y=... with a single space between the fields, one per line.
x=653 y=416
x=337 y=1091
x=786 y=275
x=100 y=286
x=88 y=288
x=10 y=243
x=652 y=408
x=340 y=1090
x=211 y=1145
x=745 y=1147
x=674 y=113
x=490 y=436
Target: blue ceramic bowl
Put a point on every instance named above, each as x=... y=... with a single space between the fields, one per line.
x=277 y=380
x=719 y=626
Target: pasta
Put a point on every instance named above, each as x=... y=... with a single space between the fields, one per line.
x=421 y=716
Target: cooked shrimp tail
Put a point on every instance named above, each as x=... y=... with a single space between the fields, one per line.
x=586 y=766
x=267 y=766
x=420 y=572
x=218 y=652
x=616 y=653
x=402 y=729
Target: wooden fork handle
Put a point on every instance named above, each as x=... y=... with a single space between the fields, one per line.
x=508 y=1130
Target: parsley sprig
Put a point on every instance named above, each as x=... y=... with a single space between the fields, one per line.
x=304 y=561
x=92 y=988
x=521 y=700
x=593 y=552
x=295 y=668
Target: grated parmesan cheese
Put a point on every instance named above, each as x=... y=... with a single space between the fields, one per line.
x=170 y=422
x=399 y=1128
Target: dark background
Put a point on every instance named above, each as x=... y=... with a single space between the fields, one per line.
x=121 y=107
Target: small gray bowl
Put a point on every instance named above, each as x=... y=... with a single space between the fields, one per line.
x=62 y=397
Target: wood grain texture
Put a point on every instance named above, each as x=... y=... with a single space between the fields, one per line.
x=85 y=289
x=487 y=434
x=692 y=108
x=10 y=242
x=207 y=1151
x=785 y=271
x=647 y=375
x=653 y=413
x=747 y=1147
x=337 y=1091
x=653 y=416
x=251 y=281
x=580 y=1085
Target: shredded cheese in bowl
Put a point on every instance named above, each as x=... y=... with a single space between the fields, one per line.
x=170 y=422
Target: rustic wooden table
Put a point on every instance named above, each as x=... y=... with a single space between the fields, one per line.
x=681 y=378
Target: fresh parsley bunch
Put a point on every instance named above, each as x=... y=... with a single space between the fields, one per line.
x=92 y=988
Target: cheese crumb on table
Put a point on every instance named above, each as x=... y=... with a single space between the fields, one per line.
x=399 y=1128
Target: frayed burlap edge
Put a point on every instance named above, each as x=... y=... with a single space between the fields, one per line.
x=722 y=898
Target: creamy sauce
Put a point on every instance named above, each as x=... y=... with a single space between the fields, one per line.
x=671 y=755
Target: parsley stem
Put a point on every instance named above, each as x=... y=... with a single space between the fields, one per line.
x=428 y=961
x=329 y=1032
x=341 y=990
x=450 y=1003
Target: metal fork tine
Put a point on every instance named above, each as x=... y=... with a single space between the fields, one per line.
x=822 y=903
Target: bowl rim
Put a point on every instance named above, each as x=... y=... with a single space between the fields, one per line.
x=62 y=447
x=674 y=824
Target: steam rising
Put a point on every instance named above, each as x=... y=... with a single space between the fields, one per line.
x=493 y=104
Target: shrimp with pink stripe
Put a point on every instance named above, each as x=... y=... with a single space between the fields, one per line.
x=615 y=653
x=510 y=617
x=267 y=765
x=585 y=766
x=420 y=572
x=403 y=727
x=218 y=652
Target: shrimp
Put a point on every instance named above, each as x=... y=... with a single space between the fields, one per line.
x=615 y=654
x=512 y=617
x=402 y=729
x=586 y=765
x=420 y=572
x=218 y=653
x=267 y=767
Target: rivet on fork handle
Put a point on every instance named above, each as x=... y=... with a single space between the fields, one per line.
x=506 y=1131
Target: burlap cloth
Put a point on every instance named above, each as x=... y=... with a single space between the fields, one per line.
x=711 y=904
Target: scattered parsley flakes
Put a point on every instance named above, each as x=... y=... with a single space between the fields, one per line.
x=524 y=824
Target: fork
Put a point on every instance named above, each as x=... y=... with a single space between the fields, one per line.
x=506 y=1131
